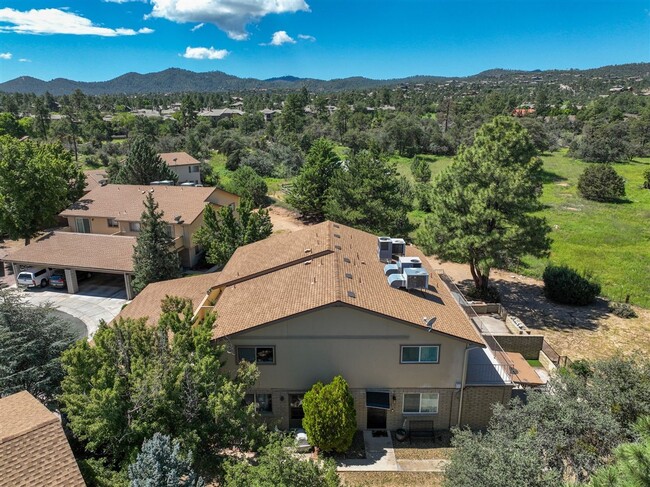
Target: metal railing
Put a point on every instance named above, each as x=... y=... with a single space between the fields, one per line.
x=557 y=359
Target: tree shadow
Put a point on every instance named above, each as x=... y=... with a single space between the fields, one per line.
x=551 y=177
x=528 y=303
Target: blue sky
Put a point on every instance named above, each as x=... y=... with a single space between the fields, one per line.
x=93 y=40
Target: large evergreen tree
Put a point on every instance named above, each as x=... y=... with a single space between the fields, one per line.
x=31 y=342
x=136 y=380
x=482 y=205
x=161 y=463
x=143 y=166
x=154 y=257
x=330 y=418
x=223 y=231
x=367 y=194
x=310 y=187
x=37 y=181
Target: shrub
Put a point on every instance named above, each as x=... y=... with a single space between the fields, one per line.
x=489 y=295
x=601 y=183
x=566 y=286
x=330 y=418
x=646 y=179
x=622 y=310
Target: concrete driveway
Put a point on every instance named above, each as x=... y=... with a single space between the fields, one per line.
x=100 y=300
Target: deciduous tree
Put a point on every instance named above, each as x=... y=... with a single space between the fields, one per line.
x=482 y=205
x=37 y=181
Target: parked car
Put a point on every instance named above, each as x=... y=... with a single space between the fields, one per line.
x=57 y=279
x=34 y=276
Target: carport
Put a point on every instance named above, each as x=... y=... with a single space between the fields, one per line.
x=85 y=252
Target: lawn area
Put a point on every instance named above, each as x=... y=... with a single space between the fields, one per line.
x=391 y=479
x=611 y=240
x=436 y=163
x=218 y=163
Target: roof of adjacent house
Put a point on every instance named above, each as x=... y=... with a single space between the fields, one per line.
x=33 y=447
x=125 y=202
x=94 y=178
x=147 y=303
x=322 y=265
x=178 y=159
x=78 y=250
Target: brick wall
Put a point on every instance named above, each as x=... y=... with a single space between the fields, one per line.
x=477 y=402
x=527 y=345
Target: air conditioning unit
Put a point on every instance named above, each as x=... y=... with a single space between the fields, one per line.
x=416 y=278
x=398 y=246
x=390 y=269
x=397 y=281
x=409 y=263
x=384 y=249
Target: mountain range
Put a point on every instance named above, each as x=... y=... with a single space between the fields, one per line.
x=175 y=80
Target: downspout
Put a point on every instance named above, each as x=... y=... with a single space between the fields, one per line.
x=463 y=381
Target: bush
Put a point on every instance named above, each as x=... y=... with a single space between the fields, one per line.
x=646 y=179
x=622 y=310
x=566 y=286
x=601 y=183
x=489 y=295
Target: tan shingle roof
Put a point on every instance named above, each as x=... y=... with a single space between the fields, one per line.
x=94 y=177
x=147 y=303
x=33 y=448
x=271 y=280
x=178 y=158
x=78 y=250
x=126 y=202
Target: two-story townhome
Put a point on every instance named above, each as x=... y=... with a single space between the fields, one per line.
x=104 y=224
x=186 y=167
x=327 y=300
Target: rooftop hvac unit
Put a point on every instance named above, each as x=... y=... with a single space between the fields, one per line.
x=416 y=278
x=390 y=269
x=397 y=281
x=384 y=249
x=409 y=263
x=398 y=246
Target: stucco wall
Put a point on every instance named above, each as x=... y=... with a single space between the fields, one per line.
x=527 y=345
x=97 y=225
x=184 y=174
x=363 y=347
x=223 y=198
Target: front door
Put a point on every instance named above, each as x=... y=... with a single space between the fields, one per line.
x=376 y=419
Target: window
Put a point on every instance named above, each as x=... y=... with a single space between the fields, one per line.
x=112 y=222
x=194 y=168
x=169 y=230
x=259 y=355
x=421 y=403
x=134 y=226
x=296 y=412
x=420 y=354
x=83 y=225
x=263 y=402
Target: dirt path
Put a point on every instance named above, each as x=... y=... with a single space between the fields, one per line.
x=576 y=331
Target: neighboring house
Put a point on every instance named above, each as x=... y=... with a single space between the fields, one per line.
x=312 y=304
x=94 y=179
x=33 y=448
x=104 y=224
x=220 y=113
x=184 y=166
x=270 y=114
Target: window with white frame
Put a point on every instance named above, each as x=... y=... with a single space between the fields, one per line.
x=257 y=354
x=263 y=402
x=421 y=403
x=420 y=354
x=83 y=225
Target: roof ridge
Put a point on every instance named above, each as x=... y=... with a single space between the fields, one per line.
x=30 y=429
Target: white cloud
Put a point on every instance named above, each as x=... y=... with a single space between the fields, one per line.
x=5 y=55
x=204 y=53
x=24 y=60
x=306 y=37
x=57 y=21
x=281 y=37
x=231 y=16
x=197 y=27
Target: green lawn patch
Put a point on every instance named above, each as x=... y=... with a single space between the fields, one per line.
x=534 y=363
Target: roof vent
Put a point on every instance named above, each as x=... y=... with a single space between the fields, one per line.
x=346 y=260
x=337 y=247
x=307 y=251
x=337 y=235
x=351 y=294
x=348 y=275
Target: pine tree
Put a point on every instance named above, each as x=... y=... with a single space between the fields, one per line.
x=420 y=170
x=161 y=464
x=368 y=194
x=143 y=165
x=482 y=205
x=309 y=188
x=154 y=258
x=330 y=418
